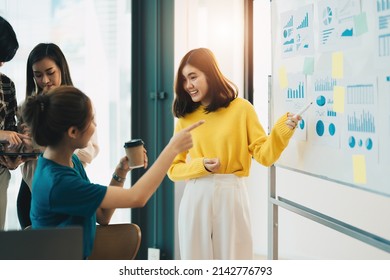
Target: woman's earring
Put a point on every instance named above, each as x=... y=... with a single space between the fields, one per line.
x=36 y=87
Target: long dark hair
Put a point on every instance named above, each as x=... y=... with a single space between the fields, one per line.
x=41 y=51
x=50 y=115
x=8 y=41
x=223 y=91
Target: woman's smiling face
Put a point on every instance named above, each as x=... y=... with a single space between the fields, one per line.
x=195 y=83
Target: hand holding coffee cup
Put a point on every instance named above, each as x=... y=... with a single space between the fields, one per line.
x=136 y=153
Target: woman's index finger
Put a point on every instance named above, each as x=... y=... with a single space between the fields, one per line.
x=194 y=125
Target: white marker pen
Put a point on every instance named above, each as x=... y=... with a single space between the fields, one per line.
x=304 y=109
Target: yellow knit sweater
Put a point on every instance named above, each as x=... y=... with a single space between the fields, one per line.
x=234 y=135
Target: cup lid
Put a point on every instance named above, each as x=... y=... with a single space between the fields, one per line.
x=133 y=143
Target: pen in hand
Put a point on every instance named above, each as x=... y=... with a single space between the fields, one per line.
x=303 y=110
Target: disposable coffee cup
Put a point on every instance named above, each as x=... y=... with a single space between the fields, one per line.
x=135 y=153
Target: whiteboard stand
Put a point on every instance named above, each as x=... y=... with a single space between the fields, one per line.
x=272 y=216
x=272 y=208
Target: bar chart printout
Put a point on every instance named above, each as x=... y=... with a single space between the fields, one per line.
x=383 y=10
x=361 y=122
x=361 y=106
x=297 y=32
x=382 y=5
x=294 y=93
x=326 y=129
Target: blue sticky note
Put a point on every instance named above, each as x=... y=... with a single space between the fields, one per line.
x=360 y=22
x=308 y=66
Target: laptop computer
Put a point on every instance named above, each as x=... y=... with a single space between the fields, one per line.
x=64 y=243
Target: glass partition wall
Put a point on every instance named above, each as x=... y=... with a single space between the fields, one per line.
x=95 y=36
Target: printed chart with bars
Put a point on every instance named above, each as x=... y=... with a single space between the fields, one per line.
x=382 y=5
x=295 y=99
x=383 y=9
x=288 y=35
x=336 y=23
x=298 y=92
x=326 y=120
x=305 y=22
x=324 y=84
x=364 y=122
x=361 y=94
x=327 y=23
x=323 y=88
x=295 y=94
x=297 y=32
x=360 y=117
x=384 y=45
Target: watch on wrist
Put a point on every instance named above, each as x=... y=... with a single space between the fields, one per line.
x=117 y=178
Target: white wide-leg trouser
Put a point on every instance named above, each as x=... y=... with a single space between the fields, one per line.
x=214 y=221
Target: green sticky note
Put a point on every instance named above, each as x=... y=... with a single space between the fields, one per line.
x=360 y=22
x=308 y=66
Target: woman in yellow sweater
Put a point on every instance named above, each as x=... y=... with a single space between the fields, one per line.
x=214 y=220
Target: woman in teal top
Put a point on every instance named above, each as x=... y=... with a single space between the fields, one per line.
x=66 y=197
x=62 y=195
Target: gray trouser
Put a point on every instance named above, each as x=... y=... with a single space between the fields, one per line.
x=5 y=177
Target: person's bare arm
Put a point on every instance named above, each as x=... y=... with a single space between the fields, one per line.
x=143 y=189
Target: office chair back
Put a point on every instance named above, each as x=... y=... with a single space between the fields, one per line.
x=64 y=243
x=116 y=242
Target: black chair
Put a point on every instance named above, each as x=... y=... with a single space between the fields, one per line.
x=64 y=243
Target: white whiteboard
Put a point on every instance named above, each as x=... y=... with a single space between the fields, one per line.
x=345 y=135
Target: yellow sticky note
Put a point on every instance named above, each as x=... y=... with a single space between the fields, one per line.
x=283 y=81
x=337 y=65
x=338 y=99
x=359 y=169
